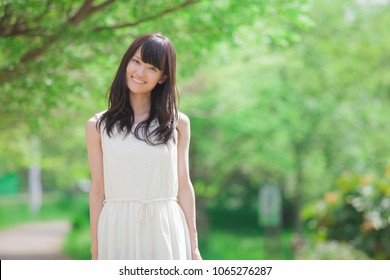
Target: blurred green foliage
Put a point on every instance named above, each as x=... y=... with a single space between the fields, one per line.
x=293 y=93
x=78 y=241
x=296 y=114
x=55 y=73
x=15 y=210
x=357 y=211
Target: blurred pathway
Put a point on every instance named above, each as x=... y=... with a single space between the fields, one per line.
x=34 y=241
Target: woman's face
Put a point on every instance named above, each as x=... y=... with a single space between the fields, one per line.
x=142 y=77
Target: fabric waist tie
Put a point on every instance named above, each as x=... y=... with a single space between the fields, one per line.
x=145 y=201
x=143 y=212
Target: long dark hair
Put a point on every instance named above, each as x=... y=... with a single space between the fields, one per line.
x=158 y=51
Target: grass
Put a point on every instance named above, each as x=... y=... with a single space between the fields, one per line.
x=77 y=244
x=239 y=245
x=15 y=209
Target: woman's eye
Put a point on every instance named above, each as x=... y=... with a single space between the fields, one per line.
x=153 y=69
x=136 y=60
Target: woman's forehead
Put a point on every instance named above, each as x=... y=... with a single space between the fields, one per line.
x=152 y=54
x=138 y=52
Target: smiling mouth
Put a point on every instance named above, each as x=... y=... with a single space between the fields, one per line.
x=137 y=80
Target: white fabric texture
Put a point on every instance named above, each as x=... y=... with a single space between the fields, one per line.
x=141 y=218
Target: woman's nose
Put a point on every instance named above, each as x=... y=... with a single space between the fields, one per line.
x=141 y=70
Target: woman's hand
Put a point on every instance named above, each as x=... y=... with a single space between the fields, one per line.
x=94 y=252
x=196 y=254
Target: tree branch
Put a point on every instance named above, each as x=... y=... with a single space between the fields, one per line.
x=84 y=11
x=24 y=32
x=9 y=72
x=44 y=12
x=102 y=5
x=149 y=18
x=87 y=9
x=37 y=52
x=6 y=16
x=20 y=27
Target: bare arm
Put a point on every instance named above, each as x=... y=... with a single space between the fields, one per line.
x=96 y=195
x=186 y=194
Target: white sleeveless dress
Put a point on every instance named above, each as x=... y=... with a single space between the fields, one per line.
x=141 y=218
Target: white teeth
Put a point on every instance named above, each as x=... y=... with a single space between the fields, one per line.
x=138 y=81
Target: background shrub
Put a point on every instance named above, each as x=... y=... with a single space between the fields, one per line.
x=330 y=250
x=358 y=211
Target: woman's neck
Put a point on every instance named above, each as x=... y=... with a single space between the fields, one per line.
x=141 y=106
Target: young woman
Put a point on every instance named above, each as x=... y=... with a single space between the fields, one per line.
x=142 y=202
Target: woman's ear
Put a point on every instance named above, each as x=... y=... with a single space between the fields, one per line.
x=162 y=79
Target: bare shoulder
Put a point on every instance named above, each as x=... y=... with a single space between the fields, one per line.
x=98 y=115
x=183 y=128
x=184 y=122
x=91 y=125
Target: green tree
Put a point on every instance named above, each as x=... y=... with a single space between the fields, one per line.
x=297 y=111
x=58 y=58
